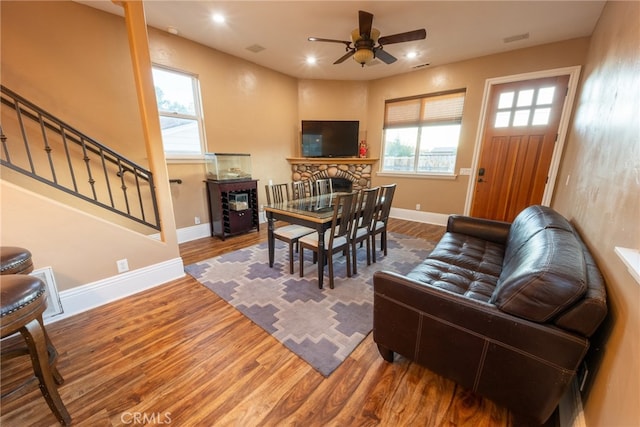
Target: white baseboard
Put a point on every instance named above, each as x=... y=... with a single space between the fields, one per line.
x=194 y=232
x=187 y=234
x=420 y=216
x=92 y=295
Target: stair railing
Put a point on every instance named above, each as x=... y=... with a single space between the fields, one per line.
x=43 y=147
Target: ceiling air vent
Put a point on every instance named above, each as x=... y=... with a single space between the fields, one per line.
x=516 y=38
x=255 y=48
x=421 y=65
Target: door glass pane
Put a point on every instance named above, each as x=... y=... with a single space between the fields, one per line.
x=400 y=149
x=545 y=95
x=502 y=119
x=521 y=118
x=525 y=98
x=505 y=100
x=541 y=116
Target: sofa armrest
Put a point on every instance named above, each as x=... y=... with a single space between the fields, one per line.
x=486 y=229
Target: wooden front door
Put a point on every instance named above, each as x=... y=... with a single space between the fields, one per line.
x=520 y=133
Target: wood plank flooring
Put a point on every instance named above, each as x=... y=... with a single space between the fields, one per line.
x=179 y=355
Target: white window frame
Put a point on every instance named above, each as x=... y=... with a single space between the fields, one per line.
x=419 y=123
x=197 y=117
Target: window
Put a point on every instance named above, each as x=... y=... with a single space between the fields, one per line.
x=178 y=97
x=528 y=107
x=421 y=133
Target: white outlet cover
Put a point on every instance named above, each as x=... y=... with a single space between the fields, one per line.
x=123 y=265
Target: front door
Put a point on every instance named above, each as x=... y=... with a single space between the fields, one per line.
x=520 y=133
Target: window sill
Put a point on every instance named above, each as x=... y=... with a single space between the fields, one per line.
x=631 y=259
x=185 y=159
x=442 y=176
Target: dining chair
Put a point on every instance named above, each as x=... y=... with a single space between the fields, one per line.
x=363 y=223
x=381 y=218
x=299 y=189
x=291 y=233
x=323 y=186
x=336 y=239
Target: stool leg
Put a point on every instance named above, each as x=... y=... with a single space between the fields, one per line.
x=34 y=335
x=53 y=357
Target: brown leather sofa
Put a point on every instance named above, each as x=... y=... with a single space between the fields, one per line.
x=505 y=310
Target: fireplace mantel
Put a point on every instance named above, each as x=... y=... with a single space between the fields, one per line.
x=355 y=169
x=332 y=160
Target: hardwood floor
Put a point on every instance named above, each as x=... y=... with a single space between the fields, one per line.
x=179 y=355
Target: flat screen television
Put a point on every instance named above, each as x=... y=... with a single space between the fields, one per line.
x=330 y=138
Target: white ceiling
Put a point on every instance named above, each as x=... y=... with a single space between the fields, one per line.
x=456 y=30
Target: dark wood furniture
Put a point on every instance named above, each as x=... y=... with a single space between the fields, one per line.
x=228 y=213
x=313 y=212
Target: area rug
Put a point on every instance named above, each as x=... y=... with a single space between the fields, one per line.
x=322 y=326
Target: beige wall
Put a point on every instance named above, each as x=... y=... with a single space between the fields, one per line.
x=600 y=193
x=74 y=61
x=247 y=109
x=471 y=75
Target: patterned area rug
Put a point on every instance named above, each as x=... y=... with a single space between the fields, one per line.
x=322 y=326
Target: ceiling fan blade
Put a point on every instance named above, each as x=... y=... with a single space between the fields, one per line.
x=365 y=23
x=318 y=39
x=345 y=56
x=384 y=56
x=403 y=37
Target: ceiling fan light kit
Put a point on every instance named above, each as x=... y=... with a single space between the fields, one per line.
x=366 y=43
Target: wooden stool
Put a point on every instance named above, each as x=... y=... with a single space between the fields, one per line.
x=23 y=301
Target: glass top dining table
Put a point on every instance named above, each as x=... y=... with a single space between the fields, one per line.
x=315 y=212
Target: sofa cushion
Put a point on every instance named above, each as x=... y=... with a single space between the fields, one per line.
x=530 y=221
x=543 y=277
x=462 y=264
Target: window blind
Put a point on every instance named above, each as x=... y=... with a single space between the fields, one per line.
x=424 y=110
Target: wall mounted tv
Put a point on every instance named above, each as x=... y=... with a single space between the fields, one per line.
x=330 y=138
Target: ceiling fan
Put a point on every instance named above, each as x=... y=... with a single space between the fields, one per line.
x=367 y=43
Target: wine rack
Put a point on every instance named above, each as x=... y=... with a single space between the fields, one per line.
x=233 y=207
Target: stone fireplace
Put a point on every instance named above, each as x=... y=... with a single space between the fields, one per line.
x=357 y=171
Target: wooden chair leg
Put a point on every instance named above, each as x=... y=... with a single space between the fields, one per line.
x=34 y=336
x=373 y=247
x=353 y=259
x=330 y=262
x=290 y=258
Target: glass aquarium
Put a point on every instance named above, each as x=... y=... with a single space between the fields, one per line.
x=228 y=166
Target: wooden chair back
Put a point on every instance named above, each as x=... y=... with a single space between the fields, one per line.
x=367 y=206
x=385 y=198
x=323 y=186
x=277 y=193
x=299 y=189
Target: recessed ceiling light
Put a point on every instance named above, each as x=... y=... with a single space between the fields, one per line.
x=311 y=60
x=411 y=54
x=218 y=18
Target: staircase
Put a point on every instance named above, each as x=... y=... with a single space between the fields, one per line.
x=44 y=148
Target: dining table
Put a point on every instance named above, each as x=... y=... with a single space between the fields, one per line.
x=314 y=212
